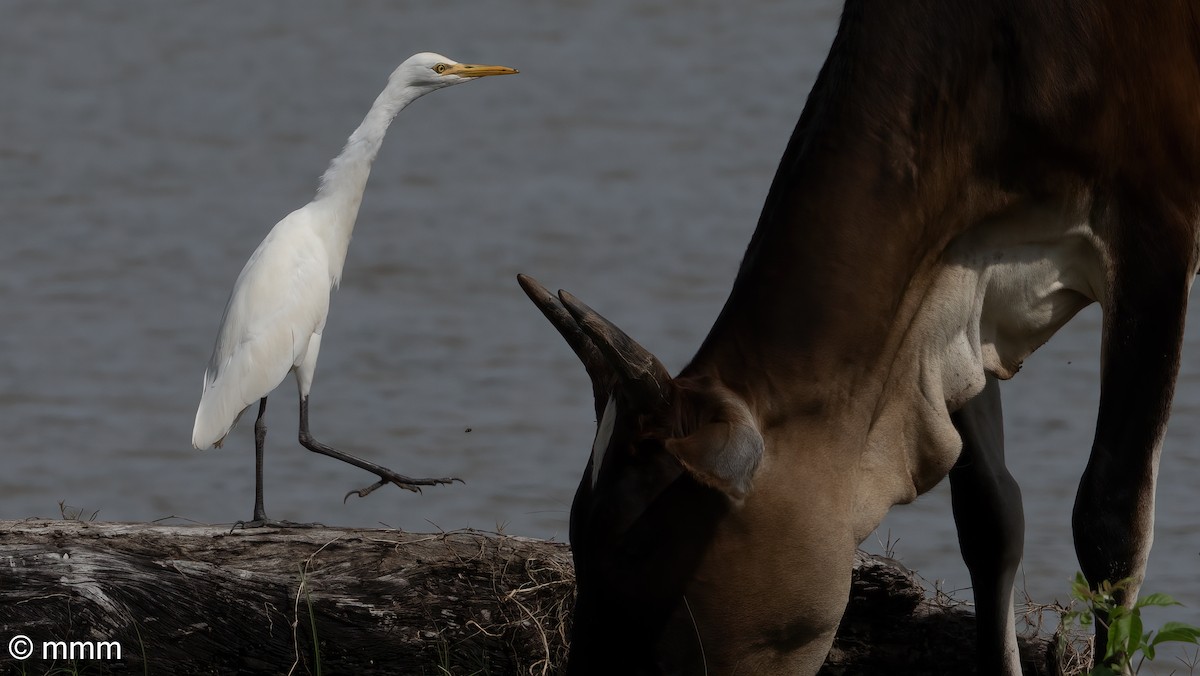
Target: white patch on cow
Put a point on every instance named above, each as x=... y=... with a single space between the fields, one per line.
x=603 y=434
x=1000 y=291
x=1019 y=279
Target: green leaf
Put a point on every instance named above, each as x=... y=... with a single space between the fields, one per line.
x=1156 y=600
x=1134 y=640
x=1177 y=632
x=1118 y=635
x=1080 y=589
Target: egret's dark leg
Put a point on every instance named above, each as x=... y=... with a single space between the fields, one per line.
x=385 y=475
x=260 y=440
x=260 y=513
x=991 y=528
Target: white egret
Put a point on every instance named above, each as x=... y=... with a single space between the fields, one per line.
x=277 y=310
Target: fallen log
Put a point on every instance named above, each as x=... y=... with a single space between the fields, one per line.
x=172 y=599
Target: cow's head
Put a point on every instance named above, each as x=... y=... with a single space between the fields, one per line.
x=670 y=459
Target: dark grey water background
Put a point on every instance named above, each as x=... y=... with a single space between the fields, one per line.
x=146 y=148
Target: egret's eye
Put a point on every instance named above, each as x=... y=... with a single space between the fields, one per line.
x=440 y=68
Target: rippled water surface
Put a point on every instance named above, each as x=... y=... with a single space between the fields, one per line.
x=146 y=148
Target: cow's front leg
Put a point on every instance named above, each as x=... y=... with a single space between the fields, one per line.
x=1113 y=519
x=991 y=528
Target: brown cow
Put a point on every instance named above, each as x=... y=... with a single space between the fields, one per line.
x=965 y=177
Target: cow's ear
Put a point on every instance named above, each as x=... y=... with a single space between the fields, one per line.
x=721 y=453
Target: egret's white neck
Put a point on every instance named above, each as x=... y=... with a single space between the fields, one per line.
x=340 y=193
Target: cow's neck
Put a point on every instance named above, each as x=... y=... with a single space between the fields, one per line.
x=912 y=298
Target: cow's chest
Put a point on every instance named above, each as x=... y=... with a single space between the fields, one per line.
x=999 y=292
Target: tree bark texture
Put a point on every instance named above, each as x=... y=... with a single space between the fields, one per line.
x=187 y=599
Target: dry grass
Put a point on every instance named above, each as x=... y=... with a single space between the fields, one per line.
x=527 y=627
x=544 y=599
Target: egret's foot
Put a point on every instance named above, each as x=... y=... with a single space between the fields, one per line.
x=402 y=481
x=264 y=522
x=386 y=476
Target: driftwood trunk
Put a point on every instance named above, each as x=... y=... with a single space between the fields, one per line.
x=205 y=600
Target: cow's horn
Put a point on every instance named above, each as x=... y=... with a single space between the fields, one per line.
x=635 y=366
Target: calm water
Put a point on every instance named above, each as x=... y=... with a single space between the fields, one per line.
x=146 y=148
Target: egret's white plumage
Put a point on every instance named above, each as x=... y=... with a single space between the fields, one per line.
x=272 y=322
x=275 y=315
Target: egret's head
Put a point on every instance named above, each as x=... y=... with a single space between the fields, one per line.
x=431 y=71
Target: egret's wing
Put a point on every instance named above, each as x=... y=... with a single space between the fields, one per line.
x=279 y=300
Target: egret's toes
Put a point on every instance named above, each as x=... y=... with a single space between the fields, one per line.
x=364 y=492
x=404 y=482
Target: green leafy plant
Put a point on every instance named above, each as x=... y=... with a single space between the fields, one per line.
x=1127 y=636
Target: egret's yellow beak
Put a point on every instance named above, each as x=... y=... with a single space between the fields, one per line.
x=476 y=70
